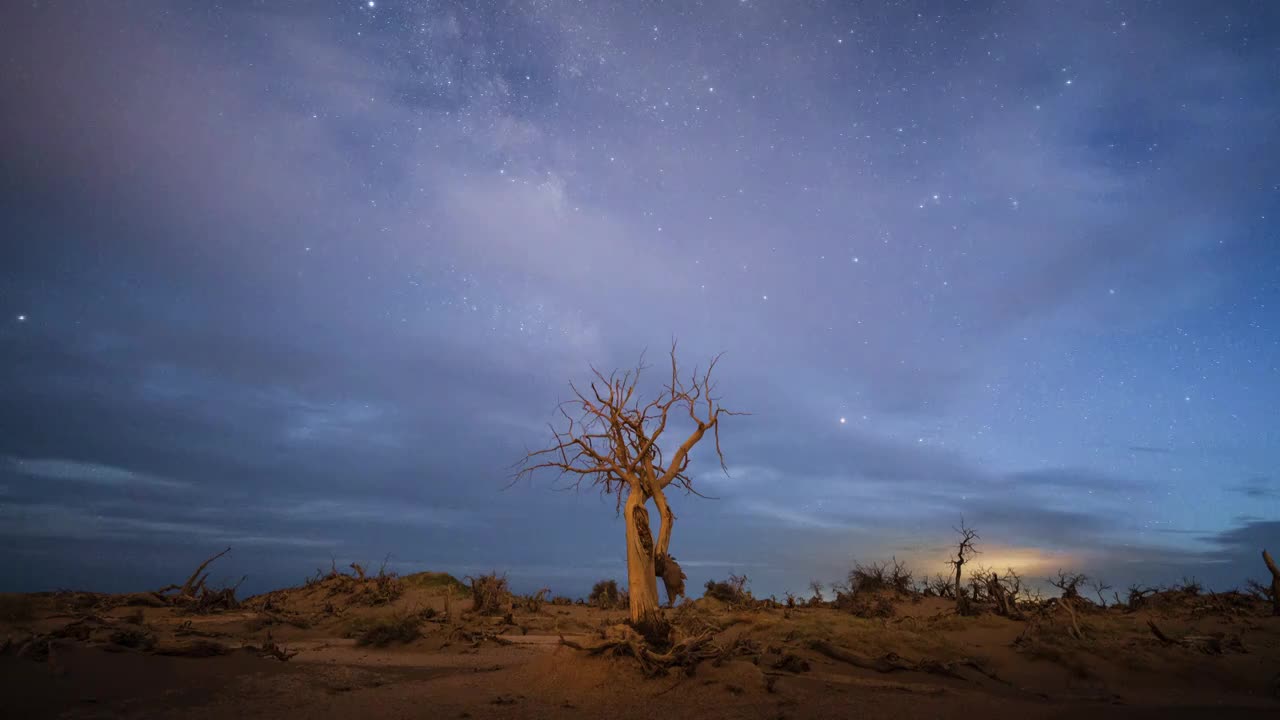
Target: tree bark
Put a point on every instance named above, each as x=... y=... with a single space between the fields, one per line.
x=642 y=582
x=665 y=519
x=1275 y=582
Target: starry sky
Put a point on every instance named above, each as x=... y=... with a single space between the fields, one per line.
x=306 y=278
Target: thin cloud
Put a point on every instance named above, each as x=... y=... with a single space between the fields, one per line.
x=91 y=473
x=66 y=522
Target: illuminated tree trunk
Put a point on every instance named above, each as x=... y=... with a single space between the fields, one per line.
x=642 y=583
x=665 y=518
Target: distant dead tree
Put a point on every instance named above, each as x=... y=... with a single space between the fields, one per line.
x=1100 y=587
x=815 y=587
x=610 y=441
x=965 y=551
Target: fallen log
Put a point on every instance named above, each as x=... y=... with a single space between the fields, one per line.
x=1207 y=644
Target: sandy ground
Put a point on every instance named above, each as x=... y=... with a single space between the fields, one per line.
x=89 y=656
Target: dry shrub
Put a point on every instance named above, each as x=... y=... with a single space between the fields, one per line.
x=606 y=596
x=867 y=578
x=693 y=619
x=381 y=589
x=133 y=638
x=490 y=594
x=733 y=591
x=533 y=603
x=864 y=605
x=939 y=586
x=381 y=632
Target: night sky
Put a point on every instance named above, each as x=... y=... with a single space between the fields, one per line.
x=306 y=278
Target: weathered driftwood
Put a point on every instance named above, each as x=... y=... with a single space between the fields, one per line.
x=1208 y=644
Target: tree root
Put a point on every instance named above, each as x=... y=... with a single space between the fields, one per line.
x=270 y=648
x=623 y=641
x=194 y=595
x=1076 y=632
x=892 y=662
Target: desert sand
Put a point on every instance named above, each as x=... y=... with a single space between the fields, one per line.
x=417 y=646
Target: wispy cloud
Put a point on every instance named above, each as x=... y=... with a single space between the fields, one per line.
x=1257 y=488
x=92 y=473
x=1150 y=449
x=356 y=510
x=66 y=522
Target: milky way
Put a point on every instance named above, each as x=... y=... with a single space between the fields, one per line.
x=307 y=278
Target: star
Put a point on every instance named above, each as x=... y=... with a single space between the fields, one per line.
x=843 y=421
x=22 y=318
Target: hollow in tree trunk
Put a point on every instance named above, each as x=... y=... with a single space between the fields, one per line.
x=642 y=583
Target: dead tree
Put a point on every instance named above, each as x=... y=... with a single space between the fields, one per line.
x=610 y=440
x=815 y=587
x=1003 y=591
x=1100 y=587
x=1069 y=584
x=194 y=594
x=965 y=551
x=1275 y=582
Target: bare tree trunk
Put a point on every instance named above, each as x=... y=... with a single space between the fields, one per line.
x=960 y=599
x=665 y=520
x=642 y=582
x=1275 y=582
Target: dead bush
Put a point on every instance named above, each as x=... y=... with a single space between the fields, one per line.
x=137 y=638
x=865 y=605
x=381 y=589
x=940 y=586
x=1189 y=586
x=1138 y=596
x=381 y=632
x=606 y=596
x=533 y=603
x=867 y=578
x=733 y=591
x=490 y=594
